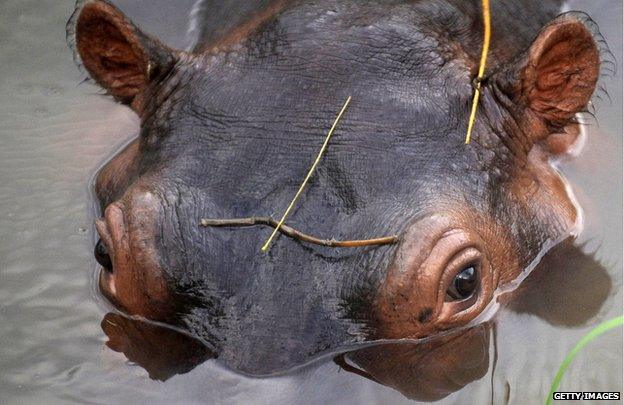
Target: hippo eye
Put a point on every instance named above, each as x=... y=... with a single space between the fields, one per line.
x=102 y=256
x=463 y=285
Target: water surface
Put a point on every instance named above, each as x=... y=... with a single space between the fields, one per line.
x=55 y=133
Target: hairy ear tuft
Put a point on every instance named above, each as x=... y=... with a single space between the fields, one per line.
x=556 y=77
x=116 y=54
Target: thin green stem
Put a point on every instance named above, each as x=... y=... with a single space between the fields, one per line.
x=593 y=334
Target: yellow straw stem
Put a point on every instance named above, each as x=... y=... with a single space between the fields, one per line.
x=267 y=244
x=487 y=32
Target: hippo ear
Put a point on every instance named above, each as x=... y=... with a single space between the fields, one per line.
x=556 y=77
x=117 y=55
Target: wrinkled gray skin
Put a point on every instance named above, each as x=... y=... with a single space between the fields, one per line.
x=229 y=131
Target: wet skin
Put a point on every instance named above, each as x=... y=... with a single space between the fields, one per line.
x=229 y=130
x=423 y=371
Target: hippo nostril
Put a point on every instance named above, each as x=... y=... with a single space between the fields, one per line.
x=102 y=256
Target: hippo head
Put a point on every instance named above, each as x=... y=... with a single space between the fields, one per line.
x=230 y=129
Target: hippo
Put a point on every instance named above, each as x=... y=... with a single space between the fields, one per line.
x=230 y=128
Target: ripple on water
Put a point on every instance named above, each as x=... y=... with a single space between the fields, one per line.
x=55 y=133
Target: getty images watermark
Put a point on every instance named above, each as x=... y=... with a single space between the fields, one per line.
x=589 y=395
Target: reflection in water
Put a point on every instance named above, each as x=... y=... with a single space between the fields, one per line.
x=161 y=351
x=430 y=370
x=424 y=371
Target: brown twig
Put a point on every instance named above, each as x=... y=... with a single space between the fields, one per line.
x=295 y=234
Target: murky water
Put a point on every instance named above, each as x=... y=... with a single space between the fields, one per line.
x=54 y=135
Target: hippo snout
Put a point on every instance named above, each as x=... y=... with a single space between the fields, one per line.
x=132 y=277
